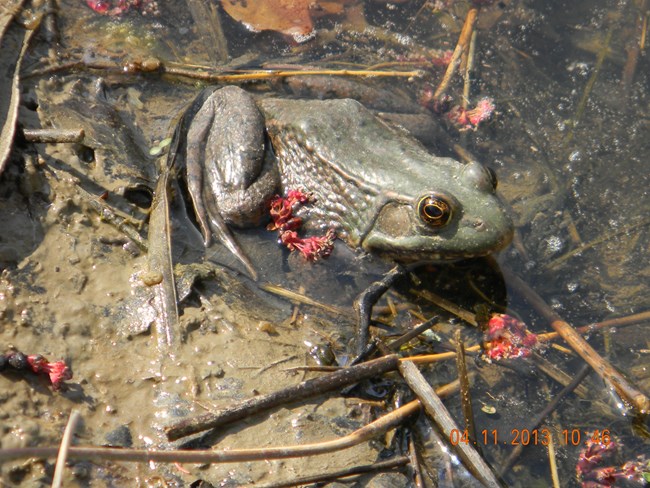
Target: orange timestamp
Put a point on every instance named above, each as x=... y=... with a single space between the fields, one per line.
x=529 y=437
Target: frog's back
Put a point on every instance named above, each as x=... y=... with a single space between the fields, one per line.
x=348 y=139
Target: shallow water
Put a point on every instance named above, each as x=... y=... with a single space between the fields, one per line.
x=568 y=142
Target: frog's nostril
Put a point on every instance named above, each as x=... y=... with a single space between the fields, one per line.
x=479 y=225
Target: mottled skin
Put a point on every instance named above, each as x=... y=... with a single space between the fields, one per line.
x=367 y=178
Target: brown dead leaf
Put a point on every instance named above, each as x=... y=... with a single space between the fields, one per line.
x=289 y=17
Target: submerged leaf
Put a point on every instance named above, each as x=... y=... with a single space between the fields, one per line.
x=289 y=17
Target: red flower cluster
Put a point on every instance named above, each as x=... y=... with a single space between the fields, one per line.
x=508 y=338
x=313 y=248
x=592 y=474
x=470 y=119
x=58 y=371
x=118 y=7
x=286 y=223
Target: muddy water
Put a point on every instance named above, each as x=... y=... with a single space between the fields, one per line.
x=72 y=284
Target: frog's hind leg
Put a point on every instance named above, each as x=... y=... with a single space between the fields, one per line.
x=224 y=234
x=196 y=134
x=210 y=220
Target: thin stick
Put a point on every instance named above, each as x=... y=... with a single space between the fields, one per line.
x=445 y=304
x=415 y=464
x=588 y=245
x=444 y=421
x=209 y=456
x=551 y=370
x=549 y=336
x=537 y=421
x=627 y=391
x=587 y=329
x=387 y=465
x=399 y=342
x=469 y=66
x=552 y=461
x=122 y=222
x=442 y=356
x=301 y=298
x=465 y=394
x=463 y=41
x=53 y=135
x=301 y=391
x=73 y=420
x=156 y=66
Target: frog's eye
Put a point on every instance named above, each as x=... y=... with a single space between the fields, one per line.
x=435 y=210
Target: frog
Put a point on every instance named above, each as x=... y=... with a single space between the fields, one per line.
x=379 y=188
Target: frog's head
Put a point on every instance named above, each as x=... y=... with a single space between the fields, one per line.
x=464 y=219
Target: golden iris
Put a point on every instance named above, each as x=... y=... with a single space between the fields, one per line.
x=434 y=210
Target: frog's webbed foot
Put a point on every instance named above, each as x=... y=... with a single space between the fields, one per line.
x=223 y=233
x=366 y=300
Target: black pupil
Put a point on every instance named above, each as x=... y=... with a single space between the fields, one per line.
x=433 y=211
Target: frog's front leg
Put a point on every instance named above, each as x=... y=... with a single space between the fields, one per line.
x=228 y=178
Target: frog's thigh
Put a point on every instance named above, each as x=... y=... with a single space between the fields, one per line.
x=248 y=207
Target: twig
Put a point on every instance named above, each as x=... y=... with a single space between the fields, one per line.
x=537 y=421
x=415 y=464
x=552 y=462
x=153 y=65
x=463 y=41
x=387 y=465
x=304 y=299
x=465 y=394
x=442 y=356
x=469 y=66
x=301 y=391
x=367 y=432
x=628 y=392
x=121 y=222
x=617 y=322
x=588 y=245
x=444 y=421
x=73 y=420
x=53 y=135
x=447 y=305
x=556 y=374
x=549 y=336
x=399 y=342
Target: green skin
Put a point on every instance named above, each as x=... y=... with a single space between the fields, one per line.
x=366 y=177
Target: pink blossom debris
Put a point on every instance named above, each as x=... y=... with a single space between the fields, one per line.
x=470 y=119
x=58 y=371
x=508 y=338
x=283 y=220
x=119 y=7
x=592 y=474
